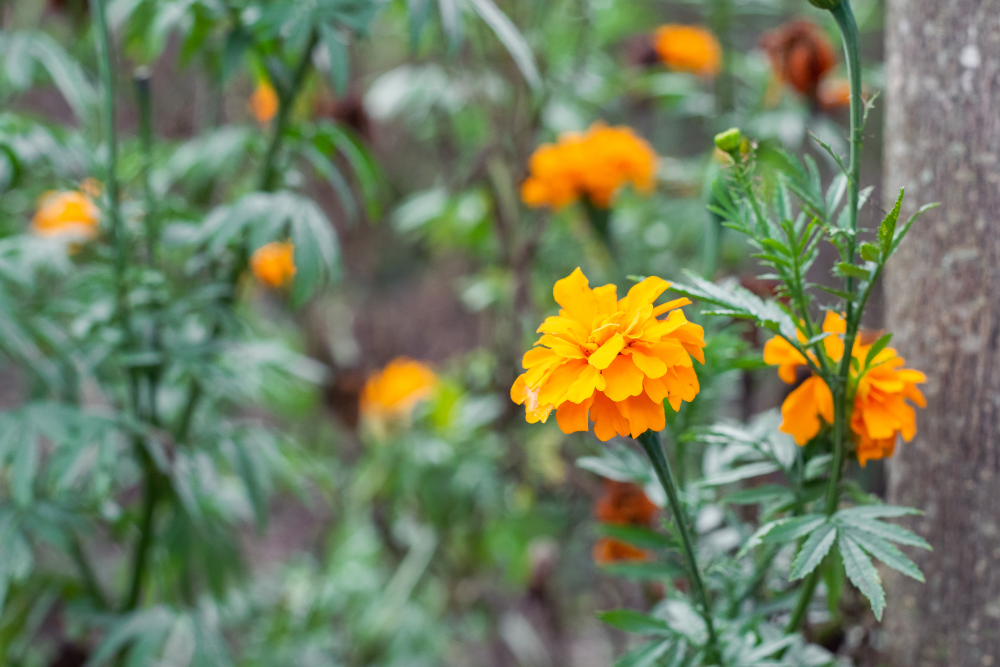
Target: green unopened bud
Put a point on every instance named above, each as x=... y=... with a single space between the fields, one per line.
x=826 y=4
x=730 y=140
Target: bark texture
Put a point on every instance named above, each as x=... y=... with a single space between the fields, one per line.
x=943 y=302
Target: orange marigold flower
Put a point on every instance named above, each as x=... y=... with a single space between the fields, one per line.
x=608 y=550
x=624 y=503
x=264 y=103
x=393 y=392
x=610 y=359
x=595 y=164
x=688 y=48
x=880 y=411
x=274 y=263
x=834 y=93
x=800 y=55
x=67 y=214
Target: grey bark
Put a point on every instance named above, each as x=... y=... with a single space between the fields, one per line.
x=943 y=302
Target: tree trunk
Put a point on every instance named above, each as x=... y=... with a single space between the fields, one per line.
x=943 y=302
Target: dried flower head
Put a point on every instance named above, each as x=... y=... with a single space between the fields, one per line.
x=624 y=503
x=69 y=214
x=608 y=550
x=800 y=55
x=688 y=48
x=393 y=392
x=595 y=165
x=880 y=411
x=610 y=360
x=264 y=103
x=274 y=263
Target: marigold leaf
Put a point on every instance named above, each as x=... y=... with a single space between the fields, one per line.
x=869 y=252
x=813 y=551
x=887 y=230
x=875 y=512
x=886 y=553
x=847 y=296
x=644 y=571
x=758 y=495
x=877 y=347
x=900 y=233
x=853 y=271
x=743 y=472
x=636 y=622
x=862 y=573
x=783 y=530
x=646 y=655
x=886 y=531
x=639 y=536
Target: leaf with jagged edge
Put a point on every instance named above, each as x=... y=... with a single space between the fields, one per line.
x=862 y=573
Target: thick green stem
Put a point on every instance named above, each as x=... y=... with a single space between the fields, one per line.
x=146 y=137
x=650 y=442
x=844 y=17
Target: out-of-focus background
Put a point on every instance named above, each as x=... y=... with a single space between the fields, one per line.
x=326 y=514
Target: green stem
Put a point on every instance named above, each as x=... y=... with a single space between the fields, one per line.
x=103 y=43
x=151 y=498
x=146 y=136
x=844 y=17
x=650 y=442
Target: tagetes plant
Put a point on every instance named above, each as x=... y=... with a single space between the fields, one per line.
x=264 y=102
x=70 y=214
x=688 y=48
x=878 y=392
x=610 y=360
x=593 y=166
x=273 y=264
x=393 y=392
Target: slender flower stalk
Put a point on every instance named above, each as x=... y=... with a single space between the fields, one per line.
x=650 y=442
x=844 y=17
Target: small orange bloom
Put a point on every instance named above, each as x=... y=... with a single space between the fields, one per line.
x=879 y=409
x=596 y=165
x=800 y=55
x=688 y=48
x=608 y=550
x=834 y=93
x=274 y=263
x=68 y=214
x=264 y=103
x=624 y=503
x=610 y=360
x=393 y=392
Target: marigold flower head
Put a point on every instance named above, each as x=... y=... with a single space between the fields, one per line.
x=67 y=214
x=624 y=503
x=610 y=360
x=834 y=93
x=880 y=411
x=264 y=103
x=595 y=165
x=274 y=263
x=800 y=55
x=608 y=550
x=688 y=48
x=393 y=392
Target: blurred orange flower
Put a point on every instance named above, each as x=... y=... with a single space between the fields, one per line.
x=800 y=55
x=595 y=165
x=610 y=360
x=68 y=214
x=274 y=263
x=880 y=411
x=264 y=103
x=688 y=48
x=608 y=550
x=624 y=503
x=393 y=392
x=834 y=93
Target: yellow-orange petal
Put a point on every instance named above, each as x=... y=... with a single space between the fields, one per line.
x=803 y=409
x=574 y=295
x=572 y=417
x=608 y=421
x=643 y=293
x=623 y=378
x=605 y=354
x=589 y=381
x=643 y=414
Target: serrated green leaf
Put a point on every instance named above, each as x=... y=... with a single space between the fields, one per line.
x=813 y=551
x=887 y=230
x=901 y=233
x=875 y=512
x=636 y=622
x=847 y=296
x=886 y=553
x=742 y=472
x=887 y=531
x=511 y=38
x=862 y=573
x=738 y=300
x=788 y=530
x=853 y=271
x=869 y=252
x=758 y=494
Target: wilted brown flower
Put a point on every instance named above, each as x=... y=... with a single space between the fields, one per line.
x=624 y=503
x=800 y=55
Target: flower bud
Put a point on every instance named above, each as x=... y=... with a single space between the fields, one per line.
x=730 y=140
